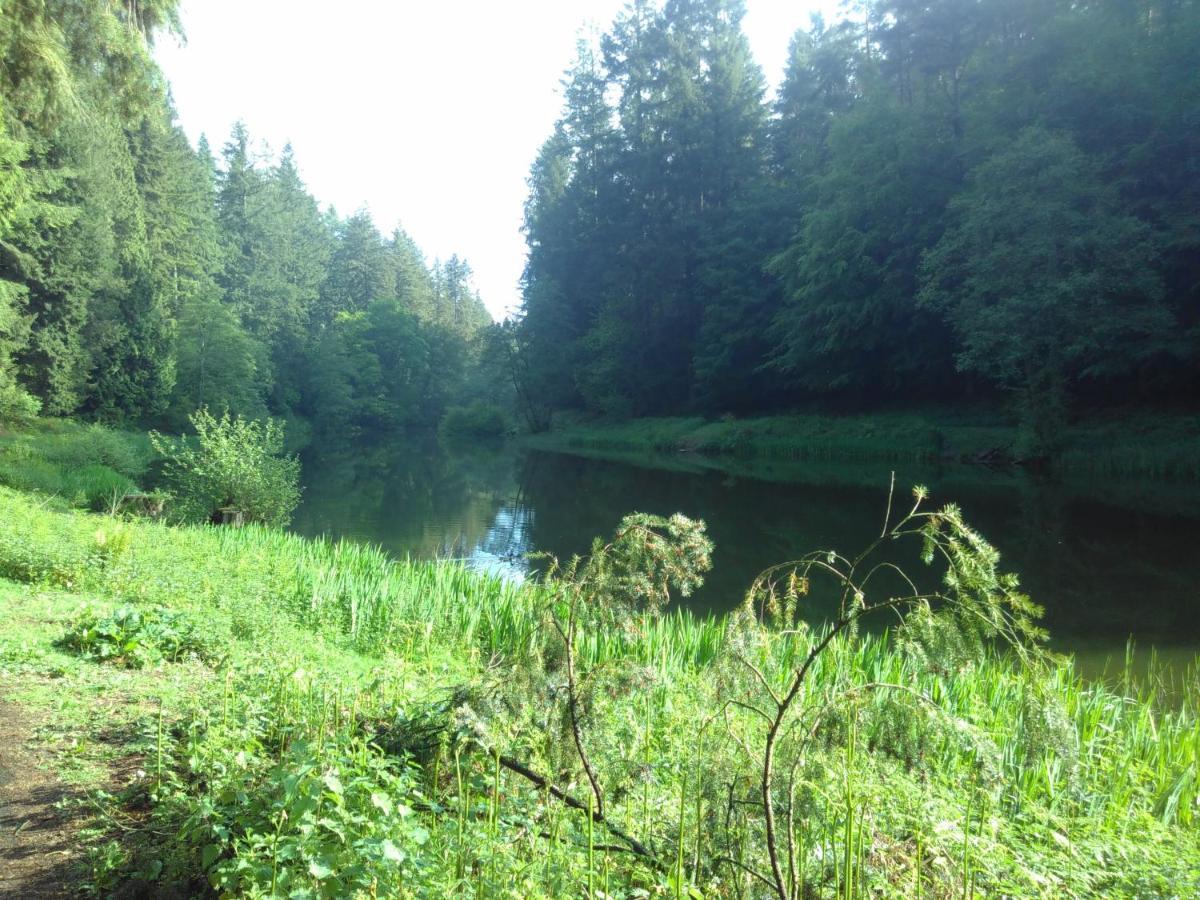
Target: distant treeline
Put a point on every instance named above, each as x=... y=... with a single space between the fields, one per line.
x=141 y=279
x=948 y=199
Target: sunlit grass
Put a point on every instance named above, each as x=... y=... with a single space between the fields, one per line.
x=997 y=770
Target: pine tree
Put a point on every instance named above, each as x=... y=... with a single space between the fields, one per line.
x=17 y=196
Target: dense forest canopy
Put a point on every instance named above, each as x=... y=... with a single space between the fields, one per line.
x=141 y=279
x=946 y=201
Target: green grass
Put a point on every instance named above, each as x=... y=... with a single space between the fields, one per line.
x=1157 y=446
x=349 y=741
x=1160 y=446
x=892 y=436
x=86 y=466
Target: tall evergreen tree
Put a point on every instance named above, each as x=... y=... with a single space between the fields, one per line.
x=17 y=197
x=1042 y=277
x=360 y=270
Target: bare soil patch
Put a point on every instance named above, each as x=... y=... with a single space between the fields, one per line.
x=37 y=840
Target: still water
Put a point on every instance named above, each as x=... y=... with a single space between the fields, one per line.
x=1108 y=560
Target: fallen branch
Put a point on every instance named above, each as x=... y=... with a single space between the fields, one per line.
x=545 y=784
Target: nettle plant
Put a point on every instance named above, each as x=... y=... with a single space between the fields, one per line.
x=134 y=637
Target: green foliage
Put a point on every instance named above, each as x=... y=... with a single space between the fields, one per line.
x=89 y=466
x=476 y=421
x=848 y=321
x=233 y=462
x=97 y=487
x=133 y=637
x=1041 y=275
x=16 y=193
x=217 y=363
x=330 y=820
x=1008 y=770
x=622 y=270
x=17 y=406
x=994 y=185
x=71 y=445
x=648 y=558
x=140 y=280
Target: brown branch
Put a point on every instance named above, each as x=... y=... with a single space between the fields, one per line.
x=729 y=860
x=768 y=764
x=635 y=846
x=568 y=637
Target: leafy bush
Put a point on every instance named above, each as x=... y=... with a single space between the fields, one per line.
x=477 y=420
x=16 y=405
x=333 y=819
x=135 y=638
x=234 y=462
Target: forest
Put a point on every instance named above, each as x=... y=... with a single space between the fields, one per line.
x=988 y=202
x=231 y=670
x=142 y=279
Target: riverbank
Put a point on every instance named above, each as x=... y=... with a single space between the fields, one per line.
x=1161 y=446
x=81 y=465
x=253 y=712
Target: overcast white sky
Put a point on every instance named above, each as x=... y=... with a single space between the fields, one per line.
x=427 y=113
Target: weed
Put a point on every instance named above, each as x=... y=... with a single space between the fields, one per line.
x=132 y=637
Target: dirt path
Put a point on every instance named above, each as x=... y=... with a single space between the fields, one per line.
x=37 y=841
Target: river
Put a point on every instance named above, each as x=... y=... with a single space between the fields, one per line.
x=1108 y=560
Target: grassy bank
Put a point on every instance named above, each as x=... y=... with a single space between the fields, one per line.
x=87 y=466
x=340 y=724
x=1158 y=446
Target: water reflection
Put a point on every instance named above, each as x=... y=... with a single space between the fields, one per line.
x=1106 y=562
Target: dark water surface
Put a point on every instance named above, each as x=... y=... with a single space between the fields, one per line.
x=1108 y=560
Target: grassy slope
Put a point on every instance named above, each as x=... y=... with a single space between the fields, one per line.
x=265 y=772
x=1136 y=445
x=81 y=465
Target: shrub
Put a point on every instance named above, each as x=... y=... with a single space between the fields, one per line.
x=234 y=462
x=16 y=405
x=332 y=818
x=477 y=420
x=135 y=638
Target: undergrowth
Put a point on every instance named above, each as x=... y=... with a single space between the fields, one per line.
x=387 y=727
x=88 y=466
